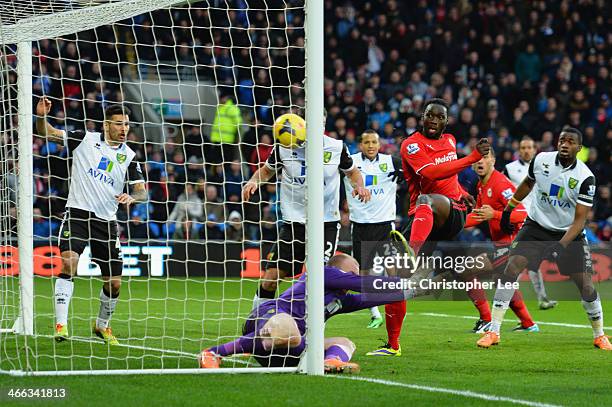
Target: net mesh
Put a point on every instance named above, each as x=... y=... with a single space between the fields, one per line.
x=192 y=253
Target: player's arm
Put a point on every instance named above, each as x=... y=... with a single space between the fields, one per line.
x=524 y=188
x=424 y=165
x=398 y=173
x=263 y=174
x=138 y=192
x=43 y=128
x=583 y=206
x=354 y=176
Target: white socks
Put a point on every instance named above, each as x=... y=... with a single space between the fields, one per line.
x=375 y=313
x=595 y=315
x=501 y=303
x=538 y=284
x=107 y=307
x=63 y=294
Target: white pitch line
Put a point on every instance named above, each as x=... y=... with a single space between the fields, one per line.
x=561 y=324
x=431 y=389
x=123 y=345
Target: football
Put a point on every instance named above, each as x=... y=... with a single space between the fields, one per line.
x=290 y=130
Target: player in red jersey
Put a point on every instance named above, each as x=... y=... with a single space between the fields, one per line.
x=494 y=191
x=437 y=201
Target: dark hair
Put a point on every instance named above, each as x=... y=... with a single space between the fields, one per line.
x=368 y=131
x=573 y=130
x=116 y=109
x=436 y=101
x=525 y=138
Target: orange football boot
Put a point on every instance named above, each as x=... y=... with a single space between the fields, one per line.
x=489 y=339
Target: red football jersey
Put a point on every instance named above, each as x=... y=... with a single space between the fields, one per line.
x=496 y=193
x=418 y=152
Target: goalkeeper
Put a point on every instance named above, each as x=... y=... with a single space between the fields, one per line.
x=100 y=164
x=275 y=331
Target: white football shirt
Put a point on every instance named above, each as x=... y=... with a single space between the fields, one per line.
x=98 y=173
x=558 y=190
x=377 y=178
x=292 y=163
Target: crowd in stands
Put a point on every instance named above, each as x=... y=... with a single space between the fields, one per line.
x=507 y=69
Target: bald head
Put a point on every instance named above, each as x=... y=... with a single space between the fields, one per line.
x=344 y=262
x=280 y=330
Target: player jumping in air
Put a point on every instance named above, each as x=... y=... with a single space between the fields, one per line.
x=286 y=258
x=373 y=221
x=516 y=172
x=437 y=201
x=274 y=332
x=564 y=188
x=100 y=164
x=494 y=191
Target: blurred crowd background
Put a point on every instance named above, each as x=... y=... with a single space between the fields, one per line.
x=507 y=69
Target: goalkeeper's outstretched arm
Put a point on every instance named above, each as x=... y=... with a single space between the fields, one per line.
x=43 y=128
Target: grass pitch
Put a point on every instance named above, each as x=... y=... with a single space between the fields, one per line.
x=164 y=323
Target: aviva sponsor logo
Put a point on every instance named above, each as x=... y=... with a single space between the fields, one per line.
x=553 y=198
x=372 y=181
x=106 y=166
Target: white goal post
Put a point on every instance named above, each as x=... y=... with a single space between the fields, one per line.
x=152 y=326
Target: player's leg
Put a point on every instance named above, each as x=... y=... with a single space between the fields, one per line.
x=501 y=300
x=576 y=263
x=106 y=252
x=478 y=295
x=286 y=257
x=432 y=212
x=338 y=353
x=518 y=306
x=367 y=243
x=526 y=250
x=73 y=237
x=538 y=286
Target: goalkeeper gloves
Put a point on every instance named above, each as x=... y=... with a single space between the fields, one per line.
x=397 y=176
x=554 y=251
x=506 y=226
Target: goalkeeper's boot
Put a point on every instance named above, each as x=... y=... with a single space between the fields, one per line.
x=547 y=304
x=209 y=360
x=334 y=365
x=106 y=334
x=375 y=322
x=489 y=339
x=533 y=328
x=386 y=350
x=602 y=342
x=481 y=326
x=61 y=333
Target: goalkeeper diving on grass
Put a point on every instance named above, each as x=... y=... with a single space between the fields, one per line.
x=274 y=332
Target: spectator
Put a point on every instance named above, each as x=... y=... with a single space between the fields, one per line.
x=528 y=65
x=233 y=228
x=225 y=131
x=188 y=206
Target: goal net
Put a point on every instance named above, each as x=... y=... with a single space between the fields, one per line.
x=204 y=82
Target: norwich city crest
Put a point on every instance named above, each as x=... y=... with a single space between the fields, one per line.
x=572 y=183
x=121 y=158
x=383 y=167
x=327 y=156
